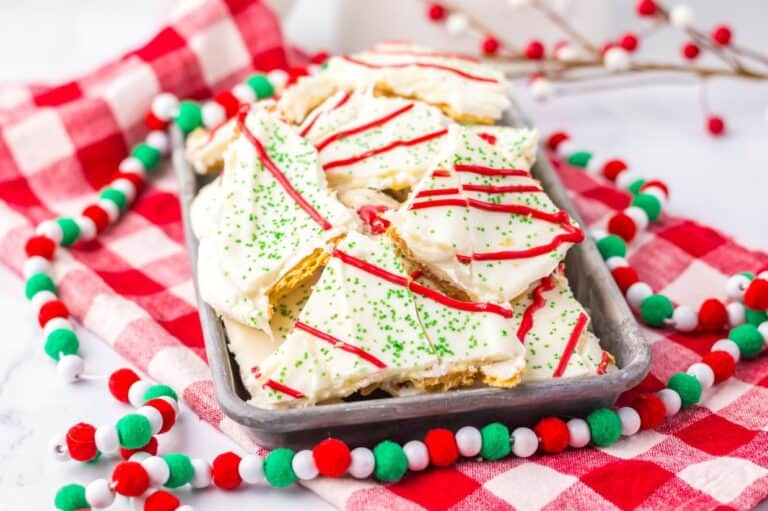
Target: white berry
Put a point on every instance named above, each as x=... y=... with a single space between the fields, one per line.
x=213 y=114
x=630 y=420
x=303 y=464
x=165 y=106
x=106 y=439
x=251 y=469
x=639 y=216
x=542 y=89
x=518 y=3
x=671 y=400
x=681 y=16
x=456 y=23
x=616 y=59
x=159 y=140
x=157 y=469
x=638 y=292
x=684 y=318
x=703 y=373
x=578 y=433
x=362 y=463
x=154 y=417
x=737 y=314
x=99 y=494
x=70 y=367
x=417 y=455
x=202 y=477
x=524 y=442
x=136 y=393
x=736 y=286
x=469 y=441
x=566 y=53
x=729 y=347
x=87 y=227
x=566 y=147
x=36 y=264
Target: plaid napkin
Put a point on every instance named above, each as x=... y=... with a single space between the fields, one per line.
x=59 y=144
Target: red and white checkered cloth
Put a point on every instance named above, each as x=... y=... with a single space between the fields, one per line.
x=58 y=145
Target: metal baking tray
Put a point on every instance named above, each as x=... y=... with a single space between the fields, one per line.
x=365 y=422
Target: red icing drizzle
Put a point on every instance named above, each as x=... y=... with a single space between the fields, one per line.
x=363 y=127
x=441 y=173
x=341 y=103
x=278 y=174
x=370 y=268
x=433 y=193
x=370 y=215
x=545 y=284
x=397 y=143
x=487 y=137
x=338 y=343
x=502 y=188
x=604 y=360
x=490 y=171
x=285 y=389
x=581 y=324
x=427 y=65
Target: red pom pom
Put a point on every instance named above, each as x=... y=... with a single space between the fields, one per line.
x=555 y=139
x=150 y=448
x=224 y=471
x=722 y=364
x=81 y=443
x=155 y=123
x=756 y=295
x=295 y=73
x=319 y=57
x=721 y=35
x=332 y=457
x=645 y=8
x=534 y=50
x=612 y=168
x=490 y=45
x=553 y=434
x=435 y=12
x=624 y=276
x=136 y=179
x=120 y=382
x=650 y=409
x=655 y=183
x=442 y=448
x=629 y=42
x=161 y=500
x=715 y=125
x=130 y=479
x=228 y=102
x=50 y=310
x=40 y=246
x=690 y=51
x=167 y=411
x=98 y=215
x=713 y=315
x=622 y=226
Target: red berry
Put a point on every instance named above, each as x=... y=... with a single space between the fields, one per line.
x=50 y=310
x=650 y=409
x=655 y=183
x=612 y=169
x=332 y=457
x=722 y=364
x=161 y=500
x=81 y=443
x=622 y=226
x=534 y=50
x=442 y=448
x=490 y=45
x=150 y=448
x=629 y=42
x=319 y=57
x=98 y=215
x=715 y=125
x=167 y=411
x=645 y=8
x=756 y=295
x=40 y=246
x=713 y=315
x=130 y=479
x=555 y=139
x=224 y=471
x=721 y=35
x=435 y=12
x=624 y=276
x=120 y=382
x=155 y=123
x=553 y=435
x=690 y=51
x=228 y=102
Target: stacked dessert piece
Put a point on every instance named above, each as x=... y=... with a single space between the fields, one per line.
x=371 y=230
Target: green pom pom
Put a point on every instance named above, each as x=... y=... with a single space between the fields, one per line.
x=147 y=155
x=391 y=462
x=604 y=426
x=655 y=309
x=634 y=188
x=687 y=386
x=748 y=274
x=71 y=498
x=69 y=229
x=160 y=390
x=38 y=282
x=115 y=196
x=277 y=468
x=180 y=468
x=611 y=246
x=754 y=317
x=579 y=158
x=134 y=431
x=496 y=441
x=61 y=342
x=648 y=203
x=190 y=116
x=260 y=85
x=747 y=337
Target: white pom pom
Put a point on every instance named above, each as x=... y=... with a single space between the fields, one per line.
x=137 y=503
x=630 y=420
x=524 y=442
x=36 y=264
x=616 y=262
x=737 y=314
x=729 y=347
x=165 y=106
x=566 y=147
x=616 y=59
x=626 y=178
x=139 y=456
x=313 y=69
x=213 y=114
x=736 y=286
x=304 y=466
x=41 y=298
x=157 y=469
x=136 y=393
x=681 y=16
x=469 y=441
x=595 y=165
x=684 y=319
x=132 y=165
x=763 y=275
x=159 y=140
x=542 y=89
x=244 y=93
x=671 y=400
x=87 y=227
x=598 y=234
x=106 y=439
x=362 y=463
x=56 y=324
x=763 y=329
x=251 y=469
x=518 y=3
x=656 y=192
x=639 y=216
x=578 y=433
x=278 y=78
x=50 y=229
x=70 y=367
x=703 y=373
x=638 y=292
x=99 y=494
x=110 y=208
x=57 y=446
x=202 y=477
x=456 y=23
x=185 y=507
x=154 y=417
x=125 y=186
x=566 y=53
x=417 y=455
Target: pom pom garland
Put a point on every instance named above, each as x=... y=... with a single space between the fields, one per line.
x=524 y=442
x=469 y=441
x=495 y=441
x=604 y=426
x=442 y=447
x=391 y=461
x=687 y=387
x=332 y=457
x=651 y=410
x=722 y=364
x=130 y=479
x=553 y=435
x=303 y=465
x=578 y=433
x=278 y=468
x=362 y=463
x=417 y=455
x=120 y=382
x=81 y=444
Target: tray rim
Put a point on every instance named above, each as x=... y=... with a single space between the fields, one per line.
x=277 y=421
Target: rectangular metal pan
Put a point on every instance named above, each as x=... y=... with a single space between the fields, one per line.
x=365 y=422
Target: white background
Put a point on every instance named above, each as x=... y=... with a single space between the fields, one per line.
x=659 y=130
